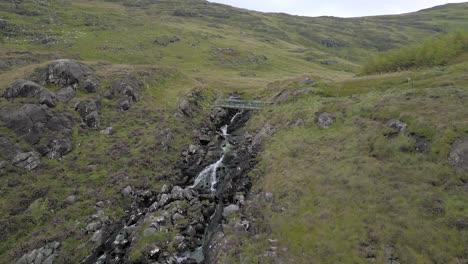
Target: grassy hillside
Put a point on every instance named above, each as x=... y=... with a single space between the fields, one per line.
x=348 y=194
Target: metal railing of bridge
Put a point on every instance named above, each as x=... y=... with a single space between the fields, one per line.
x=240 y=104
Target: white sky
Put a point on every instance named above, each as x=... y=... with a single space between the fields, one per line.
x=339 y=8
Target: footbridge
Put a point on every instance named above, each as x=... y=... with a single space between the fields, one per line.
x=241 y=104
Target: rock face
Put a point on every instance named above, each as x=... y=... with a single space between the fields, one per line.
x=29 y=89
x=44 y=255
x=325 y=120
x=47 y=131
x=459 y=154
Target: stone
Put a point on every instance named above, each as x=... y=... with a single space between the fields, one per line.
x=31 y=256
x=190 y=231
x=108 y=131
x=325 y=120
x=177 y=217
x=230 y=210
x=458 y=157
x=269 y=197
x=239 y=198
x=177 y=193
x=125 y=105
x=165 y=199
x=90 y=85
x=70 y=199
x=97 y=237
x=65 y=73
x=39 y=258
x=50 y=259
x=66 y=94
x=422 y=144
x=88 y=111
x=57 y=148
x=127 y=191
x=3 y=164
x=47 y=98
x=165 y=188
x=24 y=89
x=93 y=227
x=178 y=240
x=28 y=160
x=154 y=253
x=149 y=231
x=397 y=125
x=306 y=81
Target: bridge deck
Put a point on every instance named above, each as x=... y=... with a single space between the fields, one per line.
x=240 y=104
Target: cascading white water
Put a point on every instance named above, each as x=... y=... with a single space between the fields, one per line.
x=208 y=178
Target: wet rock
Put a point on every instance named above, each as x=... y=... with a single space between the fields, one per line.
x=397 y=125
x=458 y=157
x=165 y=199
x=65 y=95
x=149 y=231
x=325 y=120
x=154 y=253
x=178 y=193
x=28 y=160
x=230 y=210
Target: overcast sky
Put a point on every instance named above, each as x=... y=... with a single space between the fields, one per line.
x=340 y=8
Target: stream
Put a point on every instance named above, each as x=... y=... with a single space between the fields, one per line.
x=193 y=211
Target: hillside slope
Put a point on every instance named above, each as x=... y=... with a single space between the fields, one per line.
x=107 y=103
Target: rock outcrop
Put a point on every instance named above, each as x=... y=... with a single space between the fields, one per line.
x=459 y=154
x=47 y=131
x=44 y=255
x=29 y=89
x=88 y=111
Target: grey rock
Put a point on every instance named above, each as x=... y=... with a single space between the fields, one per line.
x=58 y=148
x=22 y=260
x=66 y=94
x=23 y=88
x=325 y=120
x=88 y=111
x=458 y=157
x=177 y=217
x=127 y=191
x=70 y=199
x=90 y=85
x=31 y=256
x=154 y=253
x=178 y=240
x=66 y=72
x=160 y=219
x=239 y=198
x=39 y=259
x=97 y=237
x=165 y=189
x=50 y=259
x=108 y=131
x=149 y=231
x=177 y=193
x=190 y=231
x=92 y=227
x=269 y=197
x=306 y=81
x=125 y=105
x=165 y=199
x=230 y=210
x=28 y=160
x=397 y=125
x=47 y=98
x=46 y=252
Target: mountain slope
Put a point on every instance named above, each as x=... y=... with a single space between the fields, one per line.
x=356 y=190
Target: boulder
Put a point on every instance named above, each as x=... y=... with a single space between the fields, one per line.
x=88 y=111
x=66 y=73
x=66 y=94
x=27 y=160
x=178 y=193
x=47 y=131
x=230 y=210
x=149 y=231
x=325 y=120
x=108 y=131
x=459 y=154
x=29 y=89
x=90 y=85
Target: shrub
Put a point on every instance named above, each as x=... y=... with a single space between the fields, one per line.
x=434 y=52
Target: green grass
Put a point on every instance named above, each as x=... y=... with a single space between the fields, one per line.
x=341 y=188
